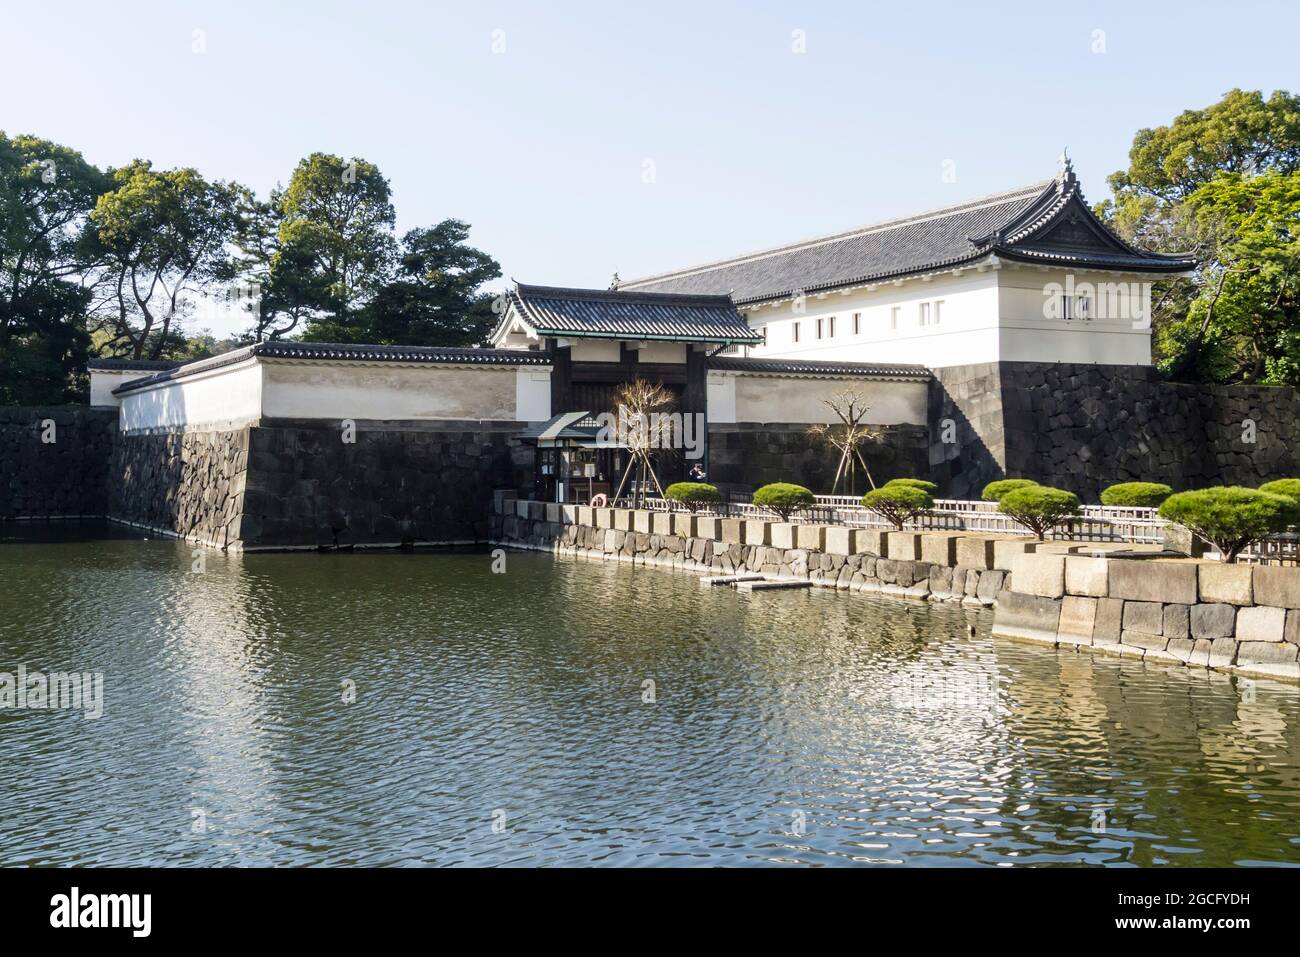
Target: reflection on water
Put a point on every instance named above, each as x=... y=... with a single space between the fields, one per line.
x=786 y=728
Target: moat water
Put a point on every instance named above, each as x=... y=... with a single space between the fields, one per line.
x=421 y=709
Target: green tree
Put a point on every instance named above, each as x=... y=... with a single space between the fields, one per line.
x=1188 y=188
x=160 y=238
x=46 y=194
x=334 y=243
x=433 y=297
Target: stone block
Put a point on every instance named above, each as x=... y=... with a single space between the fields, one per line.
x=536 y=511
x=1038 y=574
x=871 y=541
x=1109 y=622
x=553 y=511
x=521 y=508
x=1213 y=621
x=684 y=525
x=989 y=585
x=586 y=515
x=905 y=546
x=1141 y=580
x=1004 y=549
x=604 y=517
x=1229 y=584
x=1181 y=648
x=975 y=552
x=783 y=534
x=1223 y=652
x=1086 y=576
x=758 y=532
x=1143 y=616
x=1277 y=585
x=839 y=540
x=1261 y=623
x=939 y=548
x=1177 y=622
x=1147 y=642
x=732 y=531
x=708 y=527
x=1029 y=617
x=812 y=537
x=641 y=521
x=1277 y=658
x=941 y=586
x=623 y=519
x=1292 y=633
x=1078 y=618
x=661 y=523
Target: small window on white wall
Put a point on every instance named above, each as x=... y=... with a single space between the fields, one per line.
x=796 y=331
x=857 y=323
x=820 y=326
x=893 y=316
x=938 y=311
x=830 y=328
x=924 y=314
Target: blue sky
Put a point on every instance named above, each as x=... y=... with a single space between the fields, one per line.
x=543 y=147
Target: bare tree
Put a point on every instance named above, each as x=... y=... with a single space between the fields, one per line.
x=645 y=424
x=847 y=435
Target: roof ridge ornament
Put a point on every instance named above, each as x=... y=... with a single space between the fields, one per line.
x=1066 y=181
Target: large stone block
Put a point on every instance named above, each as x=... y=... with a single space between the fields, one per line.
x=521 y=507
x=974 y=552
x=684 y=525
x=1143 y=616
x=1039 y=574
x=1213 y=621
x=811 y=537
x=1277 y=658
x=1029 y=617
x=1109 y=623
x=708 y=527
x=783 y=534
x=1277 y=585
x=641 y=521
x=536 y=511
x=623 y=519
x=939 y=548
x=1086 y=576
x=871 y=541
x=1004 y=549
x=1078 y=618
x=661 y=523
x=839 y=540
x=604 y=517
x=553 y=513
x=1177 y=622
x=1223 y=652
x=586 y=516
x=1261 y=623
x=1229 y=584
x=1147 y=642
x=732 y=531
x=1292 y=633
x=758 y=532
x=905 y=546
x=1141 y=580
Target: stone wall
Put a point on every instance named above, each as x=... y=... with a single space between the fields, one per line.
x=743 y=456
x=54 y=462
x=1237 y=618
x=1083 y=427
x=428 y=482
x=937 y=566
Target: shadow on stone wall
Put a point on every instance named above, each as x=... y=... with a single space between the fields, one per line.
x=744 y=456
x=54 y=461
x=966 y=441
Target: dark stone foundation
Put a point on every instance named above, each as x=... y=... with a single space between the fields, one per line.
x=59 y=470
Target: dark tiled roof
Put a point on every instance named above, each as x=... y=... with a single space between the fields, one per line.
x=346 y=352
x=131 y=365
x=603 y=313
x=874 y=370
x=1019 y=224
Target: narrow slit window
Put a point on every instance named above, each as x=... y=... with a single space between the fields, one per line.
x=857 y=323
x=924 y=314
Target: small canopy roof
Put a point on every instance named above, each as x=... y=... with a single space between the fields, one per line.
x=579 y=429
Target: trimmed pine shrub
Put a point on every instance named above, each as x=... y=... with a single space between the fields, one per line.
x=994 y=491
x=784 y=499
x=1039 y=508
x=1230 y=518
x=1288 y=487
x=693 y=495
x=898 y=504
x=929 y=488
x=1136 y=494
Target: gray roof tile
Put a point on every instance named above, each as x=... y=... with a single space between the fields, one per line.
x=604 y=313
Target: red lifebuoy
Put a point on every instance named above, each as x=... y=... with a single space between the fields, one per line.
x=599 y=501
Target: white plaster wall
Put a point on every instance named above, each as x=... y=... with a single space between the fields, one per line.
x=594 y=350
x=1119 y=334
x=967 y=331
x=354 y=390
x=764 y=398
x=671 y=352
x=102 y=384
x=720 y=397
x=229 y=395
x=532 y=394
